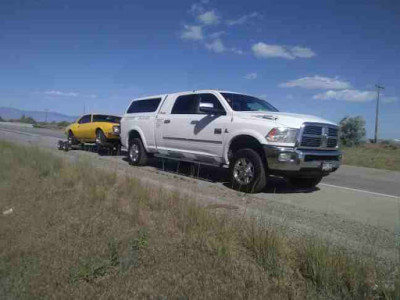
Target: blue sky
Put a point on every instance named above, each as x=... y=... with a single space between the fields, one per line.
x=314 y=57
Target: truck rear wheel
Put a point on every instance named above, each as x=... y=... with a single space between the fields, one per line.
x=247 y=172
x=305 y=182
x=137 y=155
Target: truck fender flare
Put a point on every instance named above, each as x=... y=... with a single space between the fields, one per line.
x=137 y=130
x=242 y=133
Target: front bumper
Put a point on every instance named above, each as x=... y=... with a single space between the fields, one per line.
x=292 y=160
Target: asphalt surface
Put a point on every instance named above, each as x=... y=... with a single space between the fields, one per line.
x=366 y=180
x=356 y=207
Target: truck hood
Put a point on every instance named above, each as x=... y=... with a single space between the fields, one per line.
x=283 y=119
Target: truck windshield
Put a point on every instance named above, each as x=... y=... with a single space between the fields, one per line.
x=106 y=118
x=240 y=102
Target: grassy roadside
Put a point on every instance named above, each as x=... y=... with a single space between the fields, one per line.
x=372 y=156
x=77 y=232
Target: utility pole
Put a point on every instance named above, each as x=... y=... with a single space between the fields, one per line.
x=378 y=88
x=45 y=118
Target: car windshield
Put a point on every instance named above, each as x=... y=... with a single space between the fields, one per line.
x=106 y=118
x=240 y=102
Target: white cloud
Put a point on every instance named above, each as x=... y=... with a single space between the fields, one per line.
x=60 y=93
x=263 y=50
x=237 y=51
x=243 y=19
x=251 y=76
x=216 y=46
x=208 y=18
x=347 y=95
x=318 y=82
x=389 y=99
x=302 y=52
x=196 y=8
x=194 y=33
x=216 y=35
x=68 y=94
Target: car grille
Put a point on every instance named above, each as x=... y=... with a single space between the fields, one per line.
x=319 y=136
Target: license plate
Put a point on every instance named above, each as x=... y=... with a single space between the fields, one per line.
x=327 y=166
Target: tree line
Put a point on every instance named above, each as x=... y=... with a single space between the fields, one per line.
x=29 y=120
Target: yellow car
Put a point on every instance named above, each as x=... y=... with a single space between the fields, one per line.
x=101 y=129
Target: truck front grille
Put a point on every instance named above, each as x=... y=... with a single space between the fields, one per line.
x=310 y=141
x=317 y=135
x=312 y=130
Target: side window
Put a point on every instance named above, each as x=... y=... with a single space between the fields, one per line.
x=189 y=104
x=210 y=98
x=140 y=106
x=186 y=104
x=84 y=119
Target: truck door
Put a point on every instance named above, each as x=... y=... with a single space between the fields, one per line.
x=171 y=125
x=206 y=130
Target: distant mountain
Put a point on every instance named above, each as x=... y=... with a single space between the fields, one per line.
x=8 y=113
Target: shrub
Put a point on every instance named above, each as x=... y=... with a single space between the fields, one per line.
x=352 y=131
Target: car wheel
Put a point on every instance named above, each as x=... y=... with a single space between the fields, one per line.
x=72 y=139
x=100 y=141
x=247 y=172
x=137 y=155
x=298 y=182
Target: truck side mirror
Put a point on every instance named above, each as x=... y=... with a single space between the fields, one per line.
x=208 y=108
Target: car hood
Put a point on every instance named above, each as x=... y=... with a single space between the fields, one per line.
x=284 y=119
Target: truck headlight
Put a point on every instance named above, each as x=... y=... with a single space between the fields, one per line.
x=116 y=130
x=282 y=135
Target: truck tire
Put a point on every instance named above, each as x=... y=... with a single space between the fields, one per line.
x=137 y=155
x=299 y=182
x=247 y=171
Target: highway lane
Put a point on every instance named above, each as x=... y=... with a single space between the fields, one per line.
x=365 y=180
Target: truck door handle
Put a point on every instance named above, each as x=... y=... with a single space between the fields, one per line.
x=194 y=122
x=167 y=121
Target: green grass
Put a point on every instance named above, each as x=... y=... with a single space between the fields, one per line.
x=373 y=156
x=77 y=233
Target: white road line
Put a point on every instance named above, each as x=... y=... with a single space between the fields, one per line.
x=362 y=191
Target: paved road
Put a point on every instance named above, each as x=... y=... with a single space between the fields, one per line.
x=356 y=207
x=365 y=180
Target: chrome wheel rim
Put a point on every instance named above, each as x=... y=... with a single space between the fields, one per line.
x=134 y=153
x=243 y=171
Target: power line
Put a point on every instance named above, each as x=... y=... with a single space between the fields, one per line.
x=378 y=88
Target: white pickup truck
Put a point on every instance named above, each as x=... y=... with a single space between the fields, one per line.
x=238 y=131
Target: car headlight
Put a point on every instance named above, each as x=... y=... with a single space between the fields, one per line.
x=116 y=130
x=282 y=135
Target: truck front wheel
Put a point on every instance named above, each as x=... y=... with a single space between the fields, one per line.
x=137 y=154
x=247 y=172
x=299 y=182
